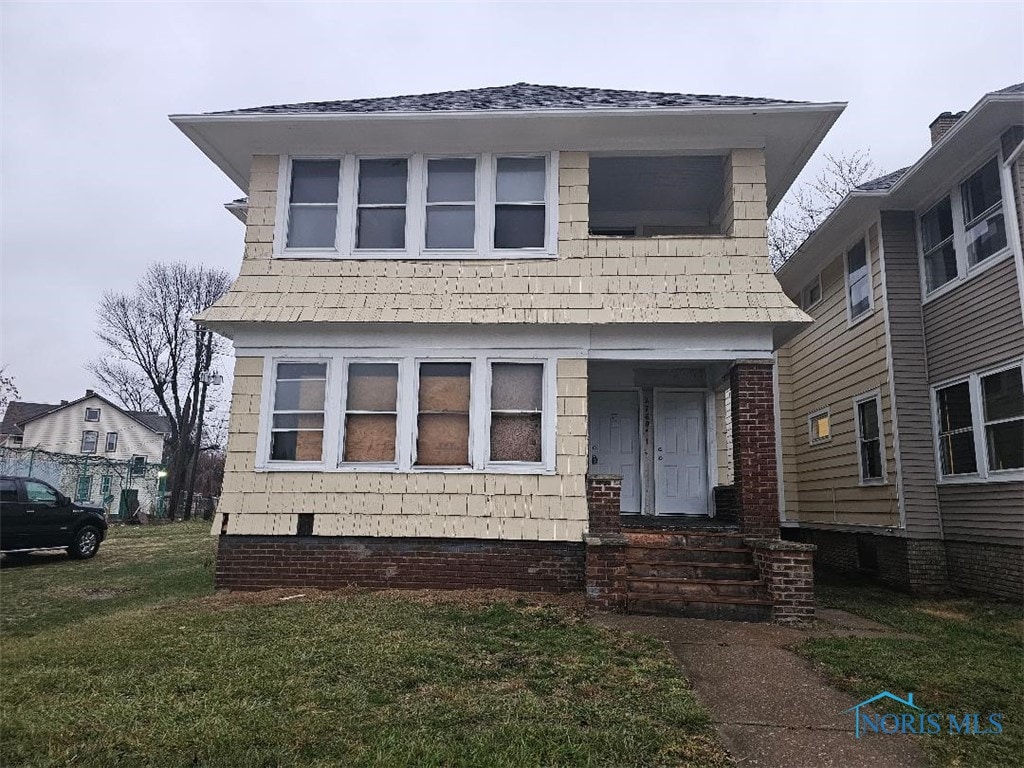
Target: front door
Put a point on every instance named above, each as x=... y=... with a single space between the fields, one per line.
x=680 y=453
x=615 y=442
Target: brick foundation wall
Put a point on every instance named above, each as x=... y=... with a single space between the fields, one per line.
x=787 y=569
x=604 y=500
x=606 y=546
x=331 y=562
x=986 y=569
x=753 y=436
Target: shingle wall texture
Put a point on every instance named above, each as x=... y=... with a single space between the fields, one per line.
x=593 y=280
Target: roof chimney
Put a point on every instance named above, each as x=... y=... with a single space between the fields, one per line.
x=89 y=393
x=941 y=124
x=63 y=402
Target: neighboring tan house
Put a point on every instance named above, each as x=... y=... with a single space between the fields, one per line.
x=453 y=308
x=902 y=413
x=89 y=426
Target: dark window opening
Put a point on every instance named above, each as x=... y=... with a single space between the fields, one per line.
x=651 y=195
x=305 y=526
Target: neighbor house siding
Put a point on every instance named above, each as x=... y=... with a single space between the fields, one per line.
x=830 y=364
x=61 y=432
x=912 y=415
x=986 y=513
x=593 y=280
x=975 y=325
x=409 y=504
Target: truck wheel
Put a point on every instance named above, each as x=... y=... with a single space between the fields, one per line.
x=86 y=544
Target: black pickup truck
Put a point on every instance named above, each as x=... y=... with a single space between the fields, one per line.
x=35 y=515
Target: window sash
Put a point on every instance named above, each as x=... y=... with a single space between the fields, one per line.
x=275 y=431
x=870 y=446
x=90 y=439
x=813 y=420
x=111 y=445
x=348 y=411
x=92 y=414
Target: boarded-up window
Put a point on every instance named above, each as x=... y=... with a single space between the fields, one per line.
x=371 y=412
x=517 y=405
x=297 y=432
x=442 y=421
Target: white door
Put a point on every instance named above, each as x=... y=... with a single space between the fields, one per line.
x=615 y=442
x=680 y=453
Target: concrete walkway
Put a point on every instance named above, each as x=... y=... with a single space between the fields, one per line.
x=771 y=708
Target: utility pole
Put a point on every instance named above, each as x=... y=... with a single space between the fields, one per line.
x=205 y=379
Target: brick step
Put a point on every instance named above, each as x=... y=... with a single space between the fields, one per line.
x=659 y=554
x=698 y=539
x=691 y=570
x=721 y=608
x=694 y=589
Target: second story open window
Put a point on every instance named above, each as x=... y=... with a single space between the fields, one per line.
x=858 y=281
x=497 y=206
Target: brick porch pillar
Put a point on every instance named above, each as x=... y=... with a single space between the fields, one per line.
x=753 y=438
x=606 y=546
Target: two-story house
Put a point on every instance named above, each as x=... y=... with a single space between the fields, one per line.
x=455 y=308
x=902 y=406
x=90 y=426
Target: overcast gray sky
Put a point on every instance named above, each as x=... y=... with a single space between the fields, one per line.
x=97 y=183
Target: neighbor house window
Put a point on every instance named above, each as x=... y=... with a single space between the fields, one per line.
x=105 y=483
x=939 y=249
x=89 y=439
x=83 y=492
x=313 y=204
x=964 y=229
x=138 y=466
x=92 y=414
x=297 y=429
x=956 y=430
x=820 y=426
x=811 y=293
x=1002 y=396
x=984 y=226
x=519 y=208
x=111 y=444
x=858 y=280
x=451 y=203
x=442 y=421
x=869 y=438
x=371 y=413
x=380 y=216
x=517 y=409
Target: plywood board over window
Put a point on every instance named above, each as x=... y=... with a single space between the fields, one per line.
x=371 y=413
x=443 y=415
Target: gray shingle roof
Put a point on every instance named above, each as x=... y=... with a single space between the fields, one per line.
x=883 y=183
x=17 y=413
x=154 y=421
x=520 y=96
x=1017 y=88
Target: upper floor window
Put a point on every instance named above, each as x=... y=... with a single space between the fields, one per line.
x=964 y=229
x=92 y=414
x=811 y=293
x=89 y=439
x=980 y=424
x=444 y=207
x=313 y=203
x=111 y=444
x=858 y=280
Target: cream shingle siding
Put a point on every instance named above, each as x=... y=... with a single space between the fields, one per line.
x=594 y=280
x=477 y=505
x=828 y=365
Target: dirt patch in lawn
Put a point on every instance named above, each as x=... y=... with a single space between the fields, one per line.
x=950 y=614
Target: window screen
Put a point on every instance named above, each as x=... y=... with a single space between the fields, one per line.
x=443 y=414
x=516 y=411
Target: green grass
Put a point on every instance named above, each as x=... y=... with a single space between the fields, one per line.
x=159 y=674
x=964 y=656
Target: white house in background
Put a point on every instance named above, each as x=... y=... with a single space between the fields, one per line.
x=89 y=426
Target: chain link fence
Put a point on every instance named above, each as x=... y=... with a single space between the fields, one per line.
x=119 y=486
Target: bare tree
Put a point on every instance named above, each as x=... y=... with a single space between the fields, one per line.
x=125 y=383
x=151 y=338
x=809 y=204
x=8 y=390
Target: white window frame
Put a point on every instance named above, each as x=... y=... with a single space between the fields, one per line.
x=811 y=418
x=984 y=474
x=370 y=466
x=415 y=219
x=106 y=442
x=95 y=445
x=850 y=319
x=964 y=270
x=876 y=396
x=89 y=411
x=479 y=230
x=815 y=283
x=408 y=404
x=270 y=391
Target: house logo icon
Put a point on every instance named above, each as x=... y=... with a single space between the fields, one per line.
x=907 y=702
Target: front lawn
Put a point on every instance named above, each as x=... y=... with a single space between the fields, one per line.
x=957 y=656
x=366 y=679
